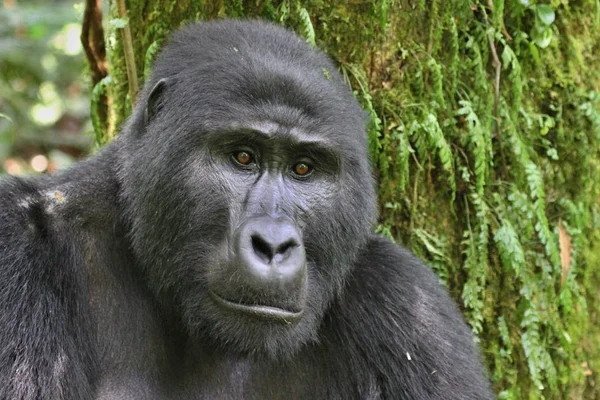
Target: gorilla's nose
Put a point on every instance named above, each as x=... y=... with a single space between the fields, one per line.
x=271 y=256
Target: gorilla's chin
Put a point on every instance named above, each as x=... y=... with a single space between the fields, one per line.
x=256 y=327
x=261 y=311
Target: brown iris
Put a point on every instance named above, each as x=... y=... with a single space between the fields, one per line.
x=301 y=169
x=243 y=157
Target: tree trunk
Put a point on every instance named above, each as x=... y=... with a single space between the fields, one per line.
x=485 y=136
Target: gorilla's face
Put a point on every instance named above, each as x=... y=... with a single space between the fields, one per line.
x=249 y=194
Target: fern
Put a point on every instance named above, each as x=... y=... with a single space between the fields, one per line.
x=480 y=144
x=436 y=249
x=507 y=347
x=308 y=30
x=498 y=14
x=509 y=247
x=374 y=133
x=475 y=250
x=536 y=187
x=383 y=13
x=100 y=90
x=509 y=59
x=149 y=58
x=402 y=161
x=438 y=142
x=436 y=76
x=454 y=49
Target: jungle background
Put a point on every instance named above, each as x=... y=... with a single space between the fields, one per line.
x=484 y=134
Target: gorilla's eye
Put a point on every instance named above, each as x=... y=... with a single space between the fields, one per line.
x=243 y=157
x=302 y=169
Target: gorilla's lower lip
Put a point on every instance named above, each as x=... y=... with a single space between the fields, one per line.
x=267 y=312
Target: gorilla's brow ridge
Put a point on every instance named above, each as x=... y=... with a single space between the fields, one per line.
x=292 y=139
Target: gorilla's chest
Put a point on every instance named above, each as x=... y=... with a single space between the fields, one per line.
x=221 y=378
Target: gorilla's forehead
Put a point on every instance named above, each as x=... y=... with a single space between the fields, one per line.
x=269 y=103
x=291 y=127
x=257 y=73
x=267 y=92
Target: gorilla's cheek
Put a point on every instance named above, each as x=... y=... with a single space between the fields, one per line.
x=181 y=220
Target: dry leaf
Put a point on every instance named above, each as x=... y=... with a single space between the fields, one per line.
x=564 y=241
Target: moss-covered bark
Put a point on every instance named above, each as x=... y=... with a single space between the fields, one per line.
x=486 y=139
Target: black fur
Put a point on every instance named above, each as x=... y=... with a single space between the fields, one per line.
x=108 y=268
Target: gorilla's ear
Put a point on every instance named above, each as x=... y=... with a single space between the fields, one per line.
x=155 y=100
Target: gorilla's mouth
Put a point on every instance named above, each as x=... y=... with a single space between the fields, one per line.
x=257 y=310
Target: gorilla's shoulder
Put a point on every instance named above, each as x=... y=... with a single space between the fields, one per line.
x=385 y=263
x=22 y=205
x=42 y=298
x=34 y=217
x=78 y=196
x=395 y=302
x=390 y=287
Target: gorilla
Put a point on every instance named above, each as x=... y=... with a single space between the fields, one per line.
x=222 y=247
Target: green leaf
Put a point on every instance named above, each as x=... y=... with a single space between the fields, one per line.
x=535 y=54
x=552 y=153
x=119 y=23
x=543 y=39
x=545 y=13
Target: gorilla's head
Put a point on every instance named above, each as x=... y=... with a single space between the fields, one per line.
x=246 y=182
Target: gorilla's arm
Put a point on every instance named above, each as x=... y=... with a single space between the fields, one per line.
x=410 y=332
x=45 y=350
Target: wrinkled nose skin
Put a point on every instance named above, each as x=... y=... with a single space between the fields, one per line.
x=271 y=257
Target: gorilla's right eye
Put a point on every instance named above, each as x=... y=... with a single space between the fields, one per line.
x=243 y=157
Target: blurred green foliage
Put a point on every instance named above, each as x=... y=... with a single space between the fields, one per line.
x=44 y=106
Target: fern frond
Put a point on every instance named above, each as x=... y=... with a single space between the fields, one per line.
x=308 y=30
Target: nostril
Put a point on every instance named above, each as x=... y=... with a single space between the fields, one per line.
x=284 y=248
x=262 y=248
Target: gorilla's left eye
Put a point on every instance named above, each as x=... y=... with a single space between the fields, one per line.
x=243 y=157
x=302 y=169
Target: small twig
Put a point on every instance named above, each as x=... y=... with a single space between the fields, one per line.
x=503 y=27
x=498 y=65
x=434 y=8
x=413 y=206
x=92 y=40
x=505 y=33
x=129 y=55
x=371 y=68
